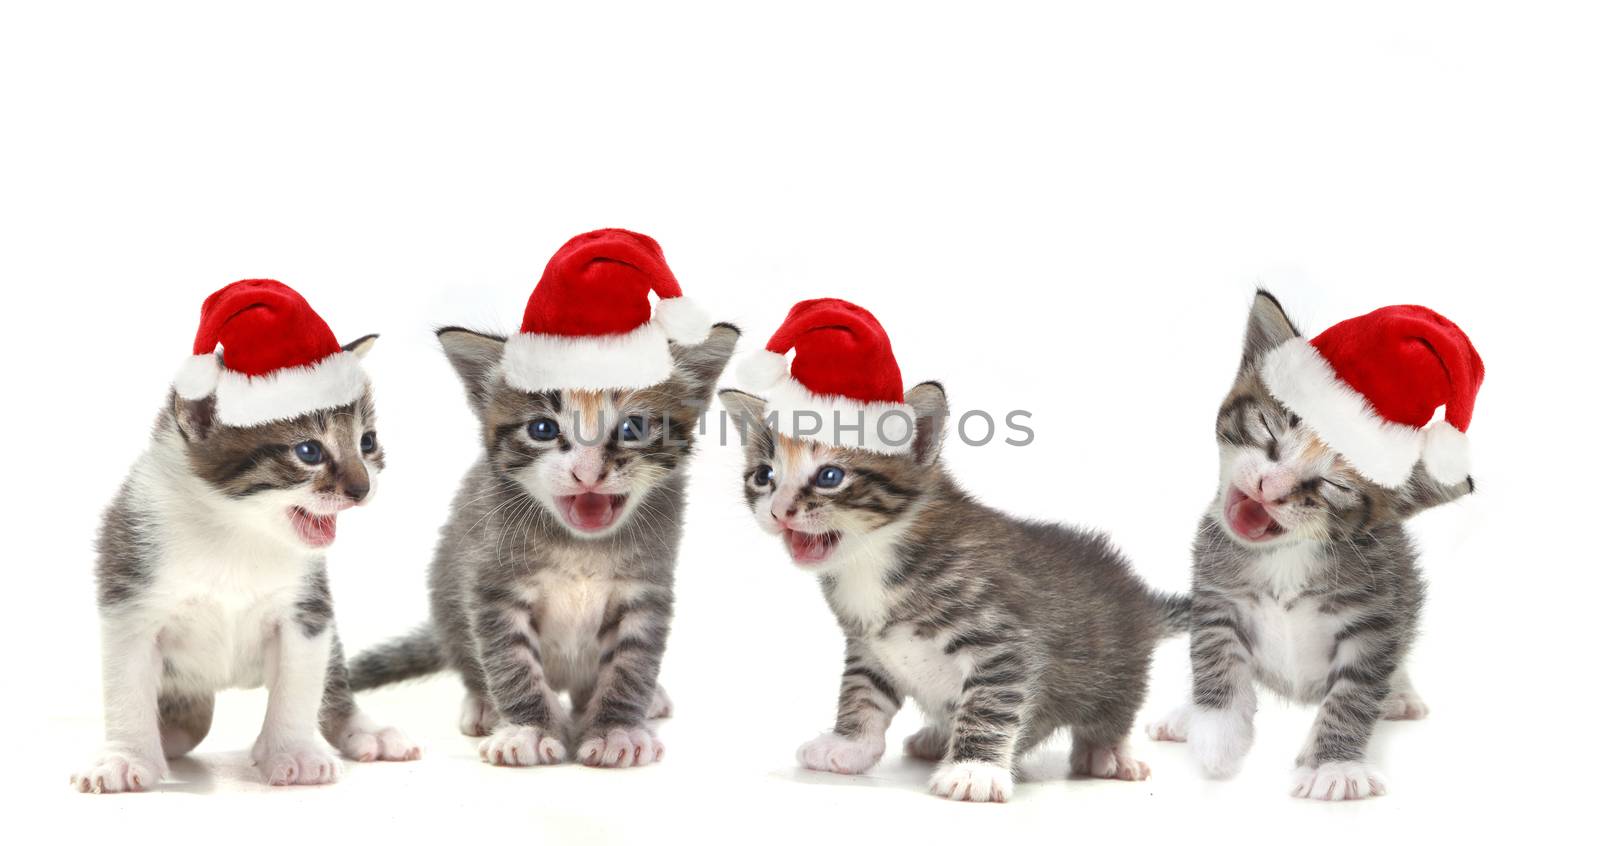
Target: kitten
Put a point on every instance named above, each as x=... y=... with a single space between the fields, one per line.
x=540 y=588
x=1317 y=601
x=1002 y=630
x=211 y=575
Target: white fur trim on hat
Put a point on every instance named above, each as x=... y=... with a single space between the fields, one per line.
x=1446 y=453
x=683 y=321
x=885 y=427
x=197 y=377
x=1383 y=451
x=636 y=359
x=290 y=392
x=761 y=370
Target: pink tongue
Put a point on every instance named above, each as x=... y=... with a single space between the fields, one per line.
x=1250 y=518
x=806 y=547
x=314 y=530
x=591 y=511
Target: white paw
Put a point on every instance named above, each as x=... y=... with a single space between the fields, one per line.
x=1108 y=762
x=478 y=717
x=1219 y=740
x=1404 y=705
x=296 y=762
x=119 y=772
x=521 y=746
x=1174 y=727
x=928 y=744
x=1337 y=781
x=973 y=781
x=660 y=705
x=378 y=744
x=621 y=747
x=832 y=753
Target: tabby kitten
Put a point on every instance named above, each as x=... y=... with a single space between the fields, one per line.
x=1317 y=600
x=540 y=586
x=1002 y=630
x=212 y=575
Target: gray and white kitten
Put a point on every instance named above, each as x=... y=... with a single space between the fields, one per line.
x=1002 y=630
x=211 y=575
x=539 y=586
x=1322 y=608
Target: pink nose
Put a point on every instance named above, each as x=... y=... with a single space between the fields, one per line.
x=1275 y=485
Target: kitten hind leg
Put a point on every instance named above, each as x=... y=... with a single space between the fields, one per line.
x=660 y=705
x=929 y=743
x=1102 y=752
x=1403 y=701
x=478 y=716
x=350 y=730
x=361 y=738
x=1174 y=727
x=185 y=721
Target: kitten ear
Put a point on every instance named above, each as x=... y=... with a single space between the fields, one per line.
x=1268 y=327
x=932 y=409
x=743 y=406
x=196 y=419
x=475 y=357
x=362 y=345
x=748 y=415
x=704 y=362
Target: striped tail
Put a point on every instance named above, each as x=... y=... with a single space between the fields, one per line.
x=1173 y=610
x=416 y=654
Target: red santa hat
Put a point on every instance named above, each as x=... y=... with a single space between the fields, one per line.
x=279 y=360
x=844 y=372
x=1370 y=386
x=588 y=323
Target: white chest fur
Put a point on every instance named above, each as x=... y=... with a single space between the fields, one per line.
x=919 y=667
x=216 y=600
x=570 y=601
x=1292 y=639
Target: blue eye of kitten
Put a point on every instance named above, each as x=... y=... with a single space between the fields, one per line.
x=830 y=477
x=369 y=442
x=635 y=427
x=310 y=452
x=762 y=477
x=544 y=429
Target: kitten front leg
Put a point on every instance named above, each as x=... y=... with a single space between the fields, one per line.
x=1220 y=725
x=633 y=636
x=508 y=651
x=1333 y=766
x=867 y=703
x=290 y=749
x=131 y=759
x=985 y=729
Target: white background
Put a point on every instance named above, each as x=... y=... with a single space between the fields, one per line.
x=1058 y=210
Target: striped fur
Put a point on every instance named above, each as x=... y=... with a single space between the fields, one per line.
x=1323 y=613
x=1002 y=630
x=525 y=606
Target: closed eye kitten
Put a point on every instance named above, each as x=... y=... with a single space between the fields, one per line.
x=212 y=575
x=1002 y=630
x=554 y=573
x=1305 y=582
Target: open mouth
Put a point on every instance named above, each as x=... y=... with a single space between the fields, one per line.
x=1248 y=518
x=316 y=530
x=808 y=548
x=590 y=512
